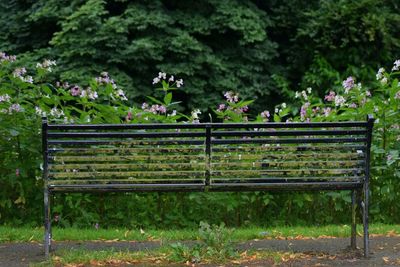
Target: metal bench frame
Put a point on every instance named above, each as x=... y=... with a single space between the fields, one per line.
x=360 y=190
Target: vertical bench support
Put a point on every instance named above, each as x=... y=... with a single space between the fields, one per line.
x=365 y=203
x=208 y=155
x=353 y=241
x=47 y=217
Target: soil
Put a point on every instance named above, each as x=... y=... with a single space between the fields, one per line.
x=385 y=251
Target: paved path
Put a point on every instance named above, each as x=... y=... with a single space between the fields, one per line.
x=384 y=251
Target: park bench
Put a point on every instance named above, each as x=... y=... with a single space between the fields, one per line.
x=209 y=157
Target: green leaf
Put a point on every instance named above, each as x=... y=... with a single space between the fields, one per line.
x=155 y=100
x=276 y=118
x=167 y=99
x=46 y=89
x=14 y=132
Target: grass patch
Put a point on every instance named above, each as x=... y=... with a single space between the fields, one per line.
x=78 y=257
x=25 y=234
x=161 y=256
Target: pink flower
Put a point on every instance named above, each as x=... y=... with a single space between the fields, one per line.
x=330 y=97
x=265 y=114
x=17 y=172
x=353 y=105
x=244 y=109
x=303 y=110
x=4 y=57
x=221 y=107
x=162 y=109
x=14 y=107
x=231 y=97
x=75 y=91
x=128 y=116
x=348 y=84
x=327 y=111
x=315 y=110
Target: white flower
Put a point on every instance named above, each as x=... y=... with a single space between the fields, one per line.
x=156 y=80
x=283 y=105
x=46 y=64
x=5 y=98
x=121 y=94
x=39 y=111
x=171 y=79
x=83 y=93
x=162 y=75
x=384 y=80
x=28 y=79
x=276 y=110
x=379 y=75
x=297 y=95
x=304 y=94
x=309 y=89
x=93 y=95
x=195 y=114
x=339 y=100
x=396 y=65
x=14 y=107
x=56 y=113
x=179 y=83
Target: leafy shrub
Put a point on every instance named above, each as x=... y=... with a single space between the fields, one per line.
x=215 y=245
x=28 y=94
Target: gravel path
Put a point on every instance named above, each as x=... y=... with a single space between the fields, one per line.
x=317 y=252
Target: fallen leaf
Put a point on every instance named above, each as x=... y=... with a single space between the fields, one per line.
x=326 y=236
x=127 y=233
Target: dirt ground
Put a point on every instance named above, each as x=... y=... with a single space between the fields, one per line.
x=385 y=251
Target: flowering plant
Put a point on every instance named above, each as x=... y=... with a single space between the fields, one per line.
x=26 y=96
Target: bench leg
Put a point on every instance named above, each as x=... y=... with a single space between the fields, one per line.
x=353 y=241
x=365 y=221
x=47 y=223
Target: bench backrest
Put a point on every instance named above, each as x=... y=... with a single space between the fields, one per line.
x=209 y=156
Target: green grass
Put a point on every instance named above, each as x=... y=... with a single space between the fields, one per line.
x=79 y=257
x=109 y=257
x=25 y=234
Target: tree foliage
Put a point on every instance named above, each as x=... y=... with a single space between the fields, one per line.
x=261 y=49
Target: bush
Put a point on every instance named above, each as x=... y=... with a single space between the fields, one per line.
x=27 y=95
